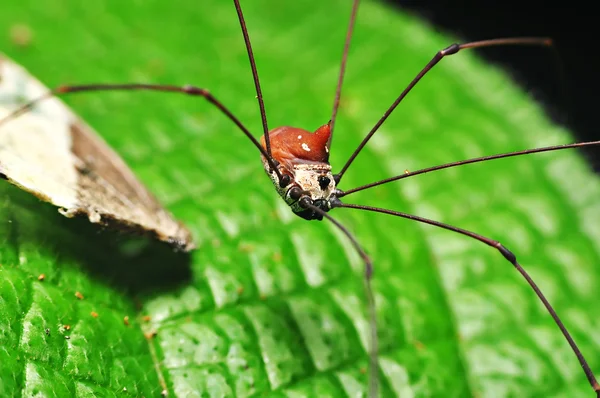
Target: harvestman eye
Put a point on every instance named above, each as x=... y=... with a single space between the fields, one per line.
x=324 y=182
x=294 y=155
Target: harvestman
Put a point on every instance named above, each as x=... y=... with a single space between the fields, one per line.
x=297 y=161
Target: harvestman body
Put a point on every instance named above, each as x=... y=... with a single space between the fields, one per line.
x=304 y=158
x=297 y=161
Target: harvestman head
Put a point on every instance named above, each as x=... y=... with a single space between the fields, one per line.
x=297 y=161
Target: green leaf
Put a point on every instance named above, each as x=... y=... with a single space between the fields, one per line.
x=270 y=301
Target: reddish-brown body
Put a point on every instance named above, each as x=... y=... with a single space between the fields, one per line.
x=293 y=145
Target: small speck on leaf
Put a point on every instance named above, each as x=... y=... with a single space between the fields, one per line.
x=21 y=35
x=246 y=248
x=420 y=346
x=79 y=295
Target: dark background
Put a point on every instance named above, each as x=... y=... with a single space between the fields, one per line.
x=570 y=98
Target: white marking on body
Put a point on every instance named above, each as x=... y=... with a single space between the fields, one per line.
x=299 y=137
x=326 y=149
x=305 y=147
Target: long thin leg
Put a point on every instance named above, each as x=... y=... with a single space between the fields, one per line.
x=259 y=96
x=512 y=259
x=373 y=350
x=340 y=194
x=189 y=90
x=450 y=50
x=338 y=90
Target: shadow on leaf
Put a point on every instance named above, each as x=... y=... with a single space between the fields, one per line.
x=129 y=263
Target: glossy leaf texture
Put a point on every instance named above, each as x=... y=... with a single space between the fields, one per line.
x=271 y=303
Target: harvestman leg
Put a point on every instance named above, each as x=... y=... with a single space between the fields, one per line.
x=259 y=96
x=372 y=316
x=505 y=252
x=342 y=73
x=508 y=255
x=450 y=50
x=341 y=194
x=188 y=90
